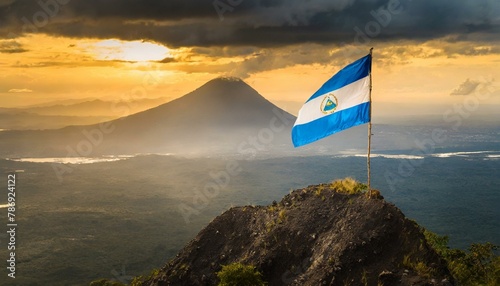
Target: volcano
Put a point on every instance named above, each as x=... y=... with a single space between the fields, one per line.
x=224 y=115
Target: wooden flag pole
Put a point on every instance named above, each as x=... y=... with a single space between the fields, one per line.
x=370 y=128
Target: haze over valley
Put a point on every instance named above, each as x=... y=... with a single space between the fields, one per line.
x=220 y=146
x=130 y=126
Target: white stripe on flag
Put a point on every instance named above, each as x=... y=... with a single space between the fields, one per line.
x=348 y=96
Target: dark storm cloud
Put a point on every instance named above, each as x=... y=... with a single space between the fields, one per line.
x=11 y=47
x=264 y=23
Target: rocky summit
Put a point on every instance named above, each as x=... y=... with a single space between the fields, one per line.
x=318 y=235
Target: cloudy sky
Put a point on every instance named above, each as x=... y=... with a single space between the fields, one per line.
x=428 y=54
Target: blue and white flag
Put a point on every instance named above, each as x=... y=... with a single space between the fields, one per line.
x=341 y=103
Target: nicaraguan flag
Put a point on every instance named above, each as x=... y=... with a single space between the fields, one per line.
x=341 y=103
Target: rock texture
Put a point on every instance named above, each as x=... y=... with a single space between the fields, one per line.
x=314 y=236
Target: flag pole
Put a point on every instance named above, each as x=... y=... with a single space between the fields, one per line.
x=369 y=128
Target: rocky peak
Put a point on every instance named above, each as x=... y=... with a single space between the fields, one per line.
x=314 y=236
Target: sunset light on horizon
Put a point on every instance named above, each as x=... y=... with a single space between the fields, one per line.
x=72 y=60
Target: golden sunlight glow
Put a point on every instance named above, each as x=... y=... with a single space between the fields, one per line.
x=49 y=68
x=130 y=51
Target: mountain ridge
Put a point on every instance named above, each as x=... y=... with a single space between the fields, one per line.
x=104 y=107
x=58 y=115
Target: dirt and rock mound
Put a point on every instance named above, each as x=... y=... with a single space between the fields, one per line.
x=314 y=236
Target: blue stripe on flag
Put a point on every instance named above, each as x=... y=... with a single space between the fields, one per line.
x=351 y=73
x=328 y=125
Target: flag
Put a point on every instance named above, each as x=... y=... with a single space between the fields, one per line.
x=341 y=103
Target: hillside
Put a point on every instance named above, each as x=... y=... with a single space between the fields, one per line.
x=314 y=236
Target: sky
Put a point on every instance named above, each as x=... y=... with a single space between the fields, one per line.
x=429 y=55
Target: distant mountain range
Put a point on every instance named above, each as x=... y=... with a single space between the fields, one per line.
x=223 y=115
x=96 y=107
x=55 y=115
x=29 y=121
